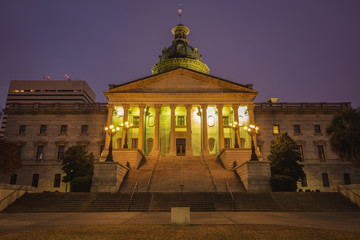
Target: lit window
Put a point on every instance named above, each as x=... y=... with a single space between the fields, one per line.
x=63 y=129
x=84 y=129
x=301 y=151
x=317 y=128
x=325 y=180
x=258 y=147
x=43 y=129
x=22 y=129
x=296 y=129
x=57 y=180
x=226 y=120
x=61 y=151
x=320 y=152
x=180 y=121
x=136 y=121
x=39 y=152
x=276 y=129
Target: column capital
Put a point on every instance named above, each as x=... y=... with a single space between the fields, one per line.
x=251 y=106
x=188 y=106
x=157 y=107
x=219 y=106
x=126 y=106
x=173 y=107
x=110 y=106
x=203 y=106
x=142 y=106
x=235 y=105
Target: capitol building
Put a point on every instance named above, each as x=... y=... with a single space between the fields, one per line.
x=181 y=135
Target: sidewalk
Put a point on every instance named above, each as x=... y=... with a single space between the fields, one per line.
x=343 y=221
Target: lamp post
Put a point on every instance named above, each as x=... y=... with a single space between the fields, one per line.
x=126 y=126
x=111 y=130
x=236 y=126
x=252 y=130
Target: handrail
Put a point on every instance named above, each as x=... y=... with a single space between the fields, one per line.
x=152 y=173
x=10 y=194
x=132 y=194
x=228 y=187
x=181 y=177
x=210 y=172
x=356 y=196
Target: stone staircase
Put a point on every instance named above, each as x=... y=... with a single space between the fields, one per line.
x=198 y=202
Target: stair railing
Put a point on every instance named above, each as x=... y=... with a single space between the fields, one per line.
x=152 y=173
x=135 y=188
x=181 y=177
x=228 y=189
x=210 y=172
x=350 y=194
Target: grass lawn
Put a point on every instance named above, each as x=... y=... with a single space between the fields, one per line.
x=105 y=232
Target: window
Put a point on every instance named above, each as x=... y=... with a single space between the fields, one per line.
x=226 y=121
x=317 y=129
x=63 y=129
x=61 y=151
x=180 y=121
x=57 y=180
x=276 y=129
x=258 y=147
x=347 y=179
x=102 y=147
x=304 y=181
x=13 y=179
x=320 y=152
x=136 y=121
x=39 y=152
x=301 y=151
x=325 y=180
x=22 y=129
x=35 y=180
x=19 y=151
x=297 y=129
x=42 y=129
x=227 y=142
x=84 y=129
x=134 y=143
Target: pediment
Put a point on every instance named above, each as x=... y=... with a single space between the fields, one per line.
x=181 y=81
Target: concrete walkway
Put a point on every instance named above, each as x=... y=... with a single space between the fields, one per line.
x=344 y=221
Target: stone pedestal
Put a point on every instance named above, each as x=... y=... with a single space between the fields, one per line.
x=180 y=216
x=255 y=176
x=108 y=176
x=231 y=158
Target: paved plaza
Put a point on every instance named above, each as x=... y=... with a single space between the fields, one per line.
x=343 y=221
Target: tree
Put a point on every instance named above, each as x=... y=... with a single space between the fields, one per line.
x=344 y=135
x=9 y=158
x=284 y=164
x=78 y=167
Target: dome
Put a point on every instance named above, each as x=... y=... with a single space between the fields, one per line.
x=180 y=54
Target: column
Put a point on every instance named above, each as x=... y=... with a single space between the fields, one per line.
x=125 y=118
x=172 y=151
x=235 y=108
x=204 y=126
x=188 y=130
x=251 y=107
x=221 y=125
x=110 y=108
x=157 y=123
x=141 y=127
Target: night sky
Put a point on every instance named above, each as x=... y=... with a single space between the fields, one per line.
x=297 y=51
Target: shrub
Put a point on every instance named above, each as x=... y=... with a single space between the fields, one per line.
x=81 y=184
x=283 y=183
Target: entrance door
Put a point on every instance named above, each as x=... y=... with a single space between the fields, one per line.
x=180 y=146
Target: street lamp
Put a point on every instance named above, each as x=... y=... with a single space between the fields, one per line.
x=252 y=130
x=236 y=126
x=126 y=126
x=111 y=130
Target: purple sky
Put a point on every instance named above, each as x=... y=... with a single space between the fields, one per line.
x=293 y=50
